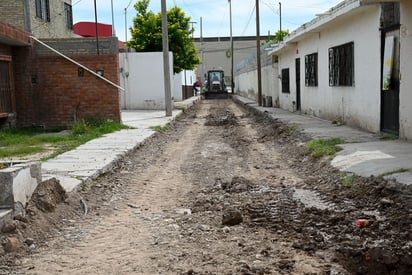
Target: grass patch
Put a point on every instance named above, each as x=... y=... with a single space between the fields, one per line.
x=389 y=137
x=347 y=180
x=324 y=147
x=402 y=170
x=28 y=141
x=161 y=129
x=293 y=127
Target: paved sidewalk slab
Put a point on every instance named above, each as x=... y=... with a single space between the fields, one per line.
x=98 y=156
x=377 y=158
x=365 y=154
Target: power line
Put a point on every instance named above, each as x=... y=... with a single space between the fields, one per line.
x=248 y=22
x=77 y=2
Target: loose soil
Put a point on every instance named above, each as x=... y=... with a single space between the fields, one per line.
x=222 y=192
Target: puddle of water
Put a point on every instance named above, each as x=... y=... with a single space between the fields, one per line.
x=310 y=199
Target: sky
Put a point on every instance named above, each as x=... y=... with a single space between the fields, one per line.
x=215 y=14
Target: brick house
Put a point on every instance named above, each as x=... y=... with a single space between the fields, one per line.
x=41 y=88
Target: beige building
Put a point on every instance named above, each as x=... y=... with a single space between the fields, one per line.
x=42 y=18
x=215 y=53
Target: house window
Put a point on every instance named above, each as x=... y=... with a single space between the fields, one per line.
x=5 y=88
x=69 y=16
x=311 y=70
x=43 y=10
x=341 y=65
x=285 y=81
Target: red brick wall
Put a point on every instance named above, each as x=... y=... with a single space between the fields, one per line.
x=49 y=91
x=24 y=98
x=66 y=97
x=60 y=97
x=14 y=33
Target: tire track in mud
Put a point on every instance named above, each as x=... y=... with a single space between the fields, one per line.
x=205 y=170
x=122 y=242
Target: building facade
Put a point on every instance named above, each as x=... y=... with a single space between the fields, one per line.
x=214 y=53
x=352 y=65
x=42 y=18
x=405 y=98
x=41 y=88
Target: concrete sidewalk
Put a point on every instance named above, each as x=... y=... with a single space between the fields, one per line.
x=97 y=156
x=365 y=154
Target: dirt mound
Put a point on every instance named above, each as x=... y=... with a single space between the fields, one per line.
x=47 y=196
x=221 y=118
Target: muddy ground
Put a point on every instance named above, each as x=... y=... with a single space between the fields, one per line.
x=222 y=192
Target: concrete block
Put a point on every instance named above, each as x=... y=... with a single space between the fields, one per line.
x=5 y=216
x=18 y=182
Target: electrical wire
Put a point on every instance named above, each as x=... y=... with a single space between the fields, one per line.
x=77 y=2
x=250 y=18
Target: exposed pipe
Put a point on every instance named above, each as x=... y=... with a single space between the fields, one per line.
x=76 y=63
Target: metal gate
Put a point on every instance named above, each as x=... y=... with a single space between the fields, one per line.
x=390 y=60
x=5 y=88
x=297 y=70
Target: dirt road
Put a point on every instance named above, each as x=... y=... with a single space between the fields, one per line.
x=222 y=192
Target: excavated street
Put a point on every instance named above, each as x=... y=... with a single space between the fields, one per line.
x=221 y=192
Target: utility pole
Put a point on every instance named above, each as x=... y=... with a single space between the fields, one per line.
x=280 y=21
x=97 y=28
x=166 y=63
x=231 y=49
x=125 y=22
x=113 y=29
x=259 y=65
x=193 y=29
x=201 y=52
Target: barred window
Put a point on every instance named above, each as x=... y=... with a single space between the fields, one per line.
x=311 y=70
x=341 y=65
x=43 y=10
x=285 y=81
x=69 y=16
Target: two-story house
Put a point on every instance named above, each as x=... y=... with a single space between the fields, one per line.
x=47 y=88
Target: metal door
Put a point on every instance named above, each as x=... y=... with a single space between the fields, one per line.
x=390 y=82
x=297 y=68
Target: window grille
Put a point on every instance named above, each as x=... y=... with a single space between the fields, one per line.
x=69 y=16
x=5 y=88
x=311 y=70
x=285 y=81
x=341 y=65
x=43 y=10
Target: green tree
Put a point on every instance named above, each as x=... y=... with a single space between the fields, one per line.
x=147 y=35
x=279 y=36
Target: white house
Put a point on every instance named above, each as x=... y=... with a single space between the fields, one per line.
x=246 y=78
x=405 y=98
x=335 y=66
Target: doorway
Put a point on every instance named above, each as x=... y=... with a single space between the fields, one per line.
x=297 y=68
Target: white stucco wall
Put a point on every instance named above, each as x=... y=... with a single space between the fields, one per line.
x=141 y=75
x=177 y=87
x=405 y=96
x=358 y=105
x=247 y=86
